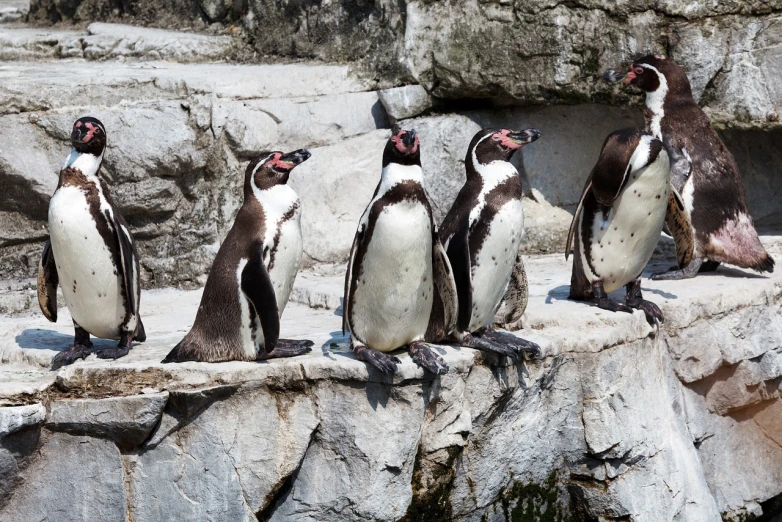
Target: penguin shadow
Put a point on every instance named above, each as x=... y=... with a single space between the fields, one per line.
x=335 y=345
x=38 y=339
x=559 y=293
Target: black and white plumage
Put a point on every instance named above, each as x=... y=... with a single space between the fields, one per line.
x=252 y=275
x=90 y=254
x=702 y=169
x=482 y=234
x=626 y=200
x=398 y=269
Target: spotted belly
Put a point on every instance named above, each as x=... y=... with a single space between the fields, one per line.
x=624 y=238
x=494 y=263
x=393 y=295
x=91 y=283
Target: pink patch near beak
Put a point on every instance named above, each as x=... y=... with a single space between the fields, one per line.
x=629 y=77
x=503 y=138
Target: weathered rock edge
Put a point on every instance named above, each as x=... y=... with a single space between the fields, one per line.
x=617 y=422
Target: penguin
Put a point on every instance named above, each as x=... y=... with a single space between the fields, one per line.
x=252 y=275
x=90 y=253
x=482 y=233
x=397 y=267
x=702 y=168
x=625 y=202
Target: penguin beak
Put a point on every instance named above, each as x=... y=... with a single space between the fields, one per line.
x=408 y=139
x=78 y=134
x=524 y=137
x=292 y=159
x=612 y=75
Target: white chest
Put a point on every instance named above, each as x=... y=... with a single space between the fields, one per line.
x=494 y=263
x=90 y=281
x=393 y=294
x=624 y=239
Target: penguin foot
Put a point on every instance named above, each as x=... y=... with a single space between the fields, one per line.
x=287 y=348
x=71 y=355
x=518 y=345
x=122 y=349
x=652 y=311
x=382 y=361
x=606 y=303
x=426 y=358
x=471 y=341
x=674 y=274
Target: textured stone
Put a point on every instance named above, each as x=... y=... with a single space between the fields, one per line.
x=13 y=419
x=405 y=102
x=125 y=420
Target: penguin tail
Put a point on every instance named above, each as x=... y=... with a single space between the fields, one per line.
x=141 y=334
x=183 y=351
x=766 y=264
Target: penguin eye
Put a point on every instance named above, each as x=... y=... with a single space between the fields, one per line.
x=638 y=70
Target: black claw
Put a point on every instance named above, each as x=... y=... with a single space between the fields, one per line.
x=651 y=310
x=71 y=355
x=426 y=358
x=607 y=304
x=516 y=344
x=382 y=361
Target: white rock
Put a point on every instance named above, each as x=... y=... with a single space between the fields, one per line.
x=15 y=418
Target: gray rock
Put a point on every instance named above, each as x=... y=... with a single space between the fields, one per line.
x=405 y=102
x=13 y=419
x=72 y=478
x=125 y=420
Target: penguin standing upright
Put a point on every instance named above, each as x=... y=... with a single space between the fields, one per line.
x=482 y=233
x=90 y=254
x=626 y=200
x=396 y=266
x=702 y=169
x=252 y=275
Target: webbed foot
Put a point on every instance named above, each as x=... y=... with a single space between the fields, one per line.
x=634 y=299
x=71 y=355
x=674 y=274
x=518 y=345
x=426 y=358
x=122 y=349
x=288 y=348
x=382 y=361
x=486 y=345
x=603 y=302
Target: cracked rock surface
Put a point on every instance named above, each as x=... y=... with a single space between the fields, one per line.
x=617 y=421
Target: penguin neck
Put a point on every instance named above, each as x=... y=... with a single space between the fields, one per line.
x=491 y=174
x=276 y=201
x=87 y=163
x=395 y=173
x=655 y=103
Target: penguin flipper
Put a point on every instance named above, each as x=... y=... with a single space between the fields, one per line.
x=348 y=278
x=572 y=231
x=445 y=287
x=678 y=223
x=48 y=279
x=127 y=261
x=514 y=303
x=257 y=287
x=459 y=256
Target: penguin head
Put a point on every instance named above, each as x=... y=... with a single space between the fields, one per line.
x=403 y=148
x=652 y=72
x=499 y=144
x=273 y=168
x=88 y=136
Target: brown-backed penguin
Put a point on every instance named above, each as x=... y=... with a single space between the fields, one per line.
x=397 y=266
x=702 y=169
x=252 y=275
x=90 y=254
x=482 y=233
x=626 y=200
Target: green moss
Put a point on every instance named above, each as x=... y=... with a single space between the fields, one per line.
x=533 y=502
x=431 y=501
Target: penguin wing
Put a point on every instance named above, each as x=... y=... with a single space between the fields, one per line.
x=514 y=303
x=572 y=231
x=678 y=223
x=358 y=238
x=47 y=283
x=445 y=285
x=459 y=256
x=257 y=286
x=127 y=259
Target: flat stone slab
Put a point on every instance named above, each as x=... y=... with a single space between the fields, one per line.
x=28 y=342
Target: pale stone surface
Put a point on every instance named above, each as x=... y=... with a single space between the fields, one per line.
x=605 y=423
x=13 y=419
x=405 y=102
x=125 y=420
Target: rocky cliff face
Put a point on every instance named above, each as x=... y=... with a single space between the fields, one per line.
x=617 y=421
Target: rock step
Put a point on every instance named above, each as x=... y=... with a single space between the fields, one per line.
x=102 y=41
